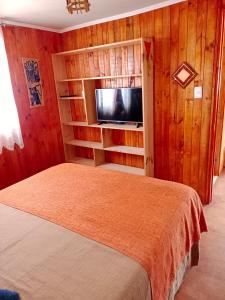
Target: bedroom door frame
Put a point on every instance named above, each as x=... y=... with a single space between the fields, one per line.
x=219 y=71
x=220 y=129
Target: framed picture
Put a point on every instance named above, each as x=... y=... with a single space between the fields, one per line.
x=33 y=80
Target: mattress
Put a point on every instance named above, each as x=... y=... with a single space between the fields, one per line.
x=44 y=261
x=69 y=250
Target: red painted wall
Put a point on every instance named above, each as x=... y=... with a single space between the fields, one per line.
x=41 y=125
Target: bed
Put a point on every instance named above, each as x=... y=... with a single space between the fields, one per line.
x=78 y=232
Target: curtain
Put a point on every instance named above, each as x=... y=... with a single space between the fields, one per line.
x=10 y=132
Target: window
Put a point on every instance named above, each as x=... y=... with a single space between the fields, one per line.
x=10 y=132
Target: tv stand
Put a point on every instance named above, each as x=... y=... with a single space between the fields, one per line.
x=138 y=125
x=122 y=146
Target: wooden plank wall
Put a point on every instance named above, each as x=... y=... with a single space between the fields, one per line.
x=40 y=126
x=182 y=32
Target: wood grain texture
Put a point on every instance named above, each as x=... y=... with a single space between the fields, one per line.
x=83 y=152
x=78 y=110
x=124 y=159
x=40 y=126
x=128 y=138
x=182 y=32
x=87 y=133
x=185 y=31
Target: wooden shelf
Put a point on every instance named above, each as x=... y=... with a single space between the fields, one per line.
x=86 y=144
x=115 y=148
x=123 y=168
x=71 y=98
x=100 y=77
x=126 y=149
x=82 y=85
x=101 y=47
x=75 y=123
x=131 y=127
x=83 y=161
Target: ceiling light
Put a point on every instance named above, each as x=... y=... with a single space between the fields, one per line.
x=78 y=5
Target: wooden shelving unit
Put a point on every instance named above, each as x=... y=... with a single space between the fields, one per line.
x=126 y=149
x=128 y=127
x=122 y=168
x=86 y=144
x=96 y=145
x=100 y=77
x=102 y=47
x=120 y=147
x=71 y=98
x=83 y=161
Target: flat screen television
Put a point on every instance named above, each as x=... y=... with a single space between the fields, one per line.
x=119 y=105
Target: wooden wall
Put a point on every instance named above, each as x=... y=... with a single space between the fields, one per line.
x=182 y=32
x=40 y=126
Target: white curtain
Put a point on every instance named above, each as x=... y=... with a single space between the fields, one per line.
x=10 y=132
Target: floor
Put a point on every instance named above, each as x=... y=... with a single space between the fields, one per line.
x=207 y=281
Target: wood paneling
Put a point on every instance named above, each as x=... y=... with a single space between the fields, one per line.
x=87 y=133
x=78 y=110
x=128 y=138
x=182 y=32
x=40 y=126
x=124 y=159
x=83 y=152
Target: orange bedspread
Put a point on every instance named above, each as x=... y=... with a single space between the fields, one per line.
x=154 y=222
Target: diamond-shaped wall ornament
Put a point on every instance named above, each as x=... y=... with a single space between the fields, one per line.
x=184 y=75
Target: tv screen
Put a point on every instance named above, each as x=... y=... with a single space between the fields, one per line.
x=119 y=105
